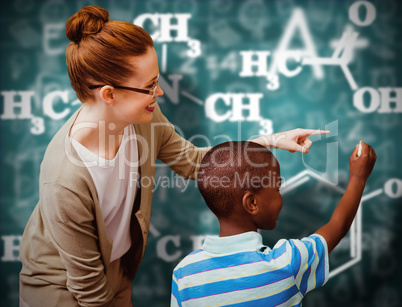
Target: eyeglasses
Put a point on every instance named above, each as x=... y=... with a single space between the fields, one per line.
x=138 y=90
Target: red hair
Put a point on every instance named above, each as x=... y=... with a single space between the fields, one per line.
x=100 y=48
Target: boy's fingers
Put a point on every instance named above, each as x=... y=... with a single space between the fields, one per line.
x=365 y=148
x=354 y=152
x=372 y=153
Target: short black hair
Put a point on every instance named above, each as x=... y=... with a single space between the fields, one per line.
x=231 y=168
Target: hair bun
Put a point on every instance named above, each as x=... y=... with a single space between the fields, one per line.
x=88 y=20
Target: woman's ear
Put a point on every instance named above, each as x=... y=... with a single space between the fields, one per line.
x=107 y=94
x=250 y=203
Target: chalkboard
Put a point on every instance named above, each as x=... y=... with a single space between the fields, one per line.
x=230 y=70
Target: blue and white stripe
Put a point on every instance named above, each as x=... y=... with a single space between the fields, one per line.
x=233 y=271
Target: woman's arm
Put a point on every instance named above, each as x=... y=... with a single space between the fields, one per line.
x=184 y=158
x=179 y=154
x=292 y=140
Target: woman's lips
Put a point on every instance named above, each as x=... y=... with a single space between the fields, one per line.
x=151 y=107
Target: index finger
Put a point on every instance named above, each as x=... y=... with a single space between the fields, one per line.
x=315 y=131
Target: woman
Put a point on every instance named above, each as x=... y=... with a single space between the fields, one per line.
x=87 y=235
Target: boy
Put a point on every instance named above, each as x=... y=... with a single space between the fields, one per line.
x=240 y=183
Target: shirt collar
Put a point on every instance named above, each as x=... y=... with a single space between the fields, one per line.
x=246 y=241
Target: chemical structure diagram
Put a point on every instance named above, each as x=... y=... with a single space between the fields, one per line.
x=255 y=64
x=245 y=63
x=57 y=103
x=392 y=188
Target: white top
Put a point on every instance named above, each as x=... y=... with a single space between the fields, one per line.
x=116 y=185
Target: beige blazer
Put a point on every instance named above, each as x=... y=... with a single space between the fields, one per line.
x=65 y=248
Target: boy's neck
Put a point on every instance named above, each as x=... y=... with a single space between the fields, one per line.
x=230 y=228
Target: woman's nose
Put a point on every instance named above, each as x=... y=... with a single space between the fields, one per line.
x=159 y=91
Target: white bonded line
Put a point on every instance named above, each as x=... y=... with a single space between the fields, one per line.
x=357 y=247
x=356 y=235
x=343 y=267
x=296 y=177
x=359 y=232
x=164 y=57
x=193 y=98
x=352 y=230
x=154 y=231
x=344 y=46
x=335 y=187
x=295 y=185
x=356 y=229
x=372 y=194
x=355 y=244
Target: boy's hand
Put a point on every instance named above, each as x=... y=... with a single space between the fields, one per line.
x=361 y=166
x=344 y=213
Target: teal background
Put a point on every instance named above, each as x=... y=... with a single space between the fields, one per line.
x=224 y=28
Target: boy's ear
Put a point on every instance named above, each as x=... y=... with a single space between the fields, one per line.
x=250 y=203
x=107 y=94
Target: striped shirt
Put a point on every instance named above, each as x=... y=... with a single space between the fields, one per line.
x=240 y=271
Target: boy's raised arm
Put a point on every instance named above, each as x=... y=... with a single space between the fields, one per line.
x=344 y=213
